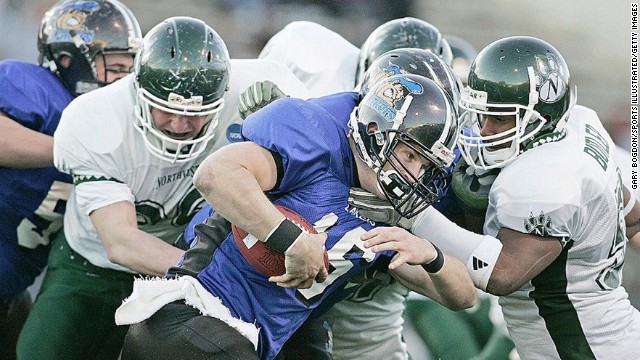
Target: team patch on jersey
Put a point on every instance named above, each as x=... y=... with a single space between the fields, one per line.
x=234 y=133
x=538 y=225
x=550 y=80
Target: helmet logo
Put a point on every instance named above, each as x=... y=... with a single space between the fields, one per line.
x=378 y=73
x=550 y=79
x=391 y=92
x=538 y=225
x=74 y=17
x=175 y=99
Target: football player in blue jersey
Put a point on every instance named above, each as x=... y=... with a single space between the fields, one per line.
x=306 y=155
x=83 y=45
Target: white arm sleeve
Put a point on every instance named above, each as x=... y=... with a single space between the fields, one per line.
x=478 y=252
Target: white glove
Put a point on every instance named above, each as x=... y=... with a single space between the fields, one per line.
x=376 y=209
x=257 y=96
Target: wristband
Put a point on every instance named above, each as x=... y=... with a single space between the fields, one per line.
x=436 y=264
x=283 y=236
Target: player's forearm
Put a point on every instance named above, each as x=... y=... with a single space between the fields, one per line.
x=470 y=248
x=451 y=286
x=21 y=147
x=236 y=192
x=142 y=252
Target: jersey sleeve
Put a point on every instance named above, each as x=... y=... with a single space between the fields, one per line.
x=32 y=96
x=293 y=129
x=84 y=149
x=538 y=202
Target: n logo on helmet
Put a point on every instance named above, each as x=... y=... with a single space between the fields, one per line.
x=549 y=77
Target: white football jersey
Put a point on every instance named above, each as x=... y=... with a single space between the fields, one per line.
x=569 y=189
x=369 y=324
x=98 y=144
x=322 y=59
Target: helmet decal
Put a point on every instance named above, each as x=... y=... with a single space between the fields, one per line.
x=549 y=77
x=390 y=93
x=75 y=15
x=378 y=74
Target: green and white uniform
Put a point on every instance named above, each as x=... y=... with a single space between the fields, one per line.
x=570 y=190
x=98 y=144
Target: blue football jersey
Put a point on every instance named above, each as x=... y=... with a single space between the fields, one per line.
x=32 y=201
x=318 y=170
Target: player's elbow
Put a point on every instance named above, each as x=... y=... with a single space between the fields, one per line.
x=207 y=176
x=502 y=285
x=115 y=252
x=465 y=301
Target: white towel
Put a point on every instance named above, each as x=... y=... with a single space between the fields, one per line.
x=149 y=295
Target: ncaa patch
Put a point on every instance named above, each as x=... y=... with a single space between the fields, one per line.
x=234 y=133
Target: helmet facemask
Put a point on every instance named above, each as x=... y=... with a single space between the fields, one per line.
x=182 y=68
x=162 y=145
x=428 y=135
x=523 y=78
x=410 y=194
x=474 y=148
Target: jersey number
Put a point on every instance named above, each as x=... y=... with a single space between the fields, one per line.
x=151 y=212
x=610 y=277
x=47 y=219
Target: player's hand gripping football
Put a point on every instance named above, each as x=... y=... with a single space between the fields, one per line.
x=257 y=96
x=304 y=262
x=376 y=209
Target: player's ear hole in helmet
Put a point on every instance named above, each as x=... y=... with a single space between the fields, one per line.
x=521 y=77
x=412 y=113
x=74 y=34
x=182 y=68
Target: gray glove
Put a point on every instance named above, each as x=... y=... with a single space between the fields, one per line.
x=257 y=96
x=472 y=186
x=376 y=209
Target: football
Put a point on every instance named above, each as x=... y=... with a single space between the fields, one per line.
x=260 y=256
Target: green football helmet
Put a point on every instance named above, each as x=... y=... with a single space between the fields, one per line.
x=406 y=32
x=83 y=30
x=518 y=76
x=182 y=68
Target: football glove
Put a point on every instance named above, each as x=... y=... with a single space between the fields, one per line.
x=376 y=209
x=257 y=96
x=472 y=186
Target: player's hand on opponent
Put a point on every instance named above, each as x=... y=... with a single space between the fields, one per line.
x=410 y=249
x=304 y=262
x=257 y=96
x=373 y=208
x=471 y=186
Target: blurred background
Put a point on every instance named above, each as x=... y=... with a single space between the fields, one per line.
x=593 y=36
